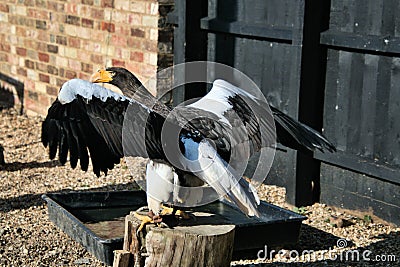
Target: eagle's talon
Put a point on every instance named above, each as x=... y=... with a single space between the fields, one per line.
x=176 y=212
x=145 y=220
x=166 y=211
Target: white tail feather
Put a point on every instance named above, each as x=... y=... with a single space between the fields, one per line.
x=225 y=181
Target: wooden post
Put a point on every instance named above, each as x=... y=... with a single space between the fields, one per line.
x=205 y=240
x=121 y=258
x=131 y=242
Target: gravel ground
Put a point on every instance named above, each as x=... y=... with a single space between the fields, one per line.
x=28 y=238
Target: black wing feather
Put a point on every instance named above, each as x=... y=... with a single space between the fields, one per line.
x=69 y=129
x=297 y=135
x=93 y=128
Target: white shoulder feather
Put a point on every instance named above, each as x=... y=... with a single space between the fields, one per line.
x=72 y=88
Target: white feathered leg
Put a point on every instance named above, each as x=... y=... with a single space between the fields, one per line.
x=159 y=185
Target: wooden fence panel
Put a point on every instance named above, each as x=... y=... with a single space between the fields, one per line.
x=362 y=103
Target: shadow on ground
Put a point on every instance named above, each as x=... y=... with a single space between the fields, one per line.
x=18 y=166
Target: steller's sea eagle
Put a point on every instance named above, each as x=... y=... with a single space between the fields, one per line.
x=88 y=119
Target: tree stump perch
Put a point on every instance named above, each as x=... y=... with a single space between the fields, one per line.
x=206 y=240
x=121 y=258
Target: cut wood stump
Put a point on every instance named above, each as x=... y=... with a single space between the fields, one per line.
x=205 y=240
x=121 y=258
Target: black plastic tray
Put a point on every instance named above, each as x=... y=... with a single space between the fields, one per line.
x=96 y=220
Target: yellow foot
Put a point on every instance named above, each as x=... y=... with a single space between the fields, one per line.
x=145 y=220
x=170 y=211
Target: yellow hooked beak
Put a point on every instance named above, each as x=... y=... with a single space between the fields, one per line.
x=101 y=76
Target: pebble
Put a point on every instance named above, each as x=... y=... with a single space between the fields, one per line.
x=82 y=261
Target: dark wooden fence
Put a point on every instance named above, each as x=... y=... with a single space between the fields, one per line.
x=362 y=107
x=331 y=64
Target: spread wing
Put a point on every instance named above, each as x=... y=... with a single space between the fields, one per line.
x=238 y=123
x=87 y=121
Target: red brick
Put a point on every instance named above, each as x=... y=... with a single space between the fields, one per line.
x=4 y=8
x=74 y=20
x=21 y=51
x=30 y=43
x=107 y=3
x=41 y=66
x=119 y=40
x=84 y=56
x=42 y=47
x=44 y=36
x=122 y=29
x=29 y=64
x=44 y=100
x=97 y=59
x=149 y=46
x=105 y=26
x=62 y=40
x=134 y=43
x=84 y=11
x=136 y=56
x=88 y=68
x=118 y=63
x=71 y=8
x=12 y=59
x=52 y=70
x=74 y=42
x=134 y=19
x=137 y=32
x=44 y=57
x=52 y=48
x=22 y=71
x=59 y=17
x=38 y=14
x=40 y=3
x=54 y=6
x=98 y=36
x=74 y=64
x=97 y=13
x=41 y=24
x=88 y=23
x=21 y=31
x=5 y=47
x=44 y=78
x=52 y=90
x=87 y=2
x=29 y=2
x=69 y=74
x=32 y=54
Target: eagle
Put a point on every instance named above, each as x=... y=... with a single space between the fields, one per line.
x=207 y=142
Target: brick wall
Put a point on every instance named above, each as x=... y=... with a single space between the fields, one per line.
x=44 y=43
